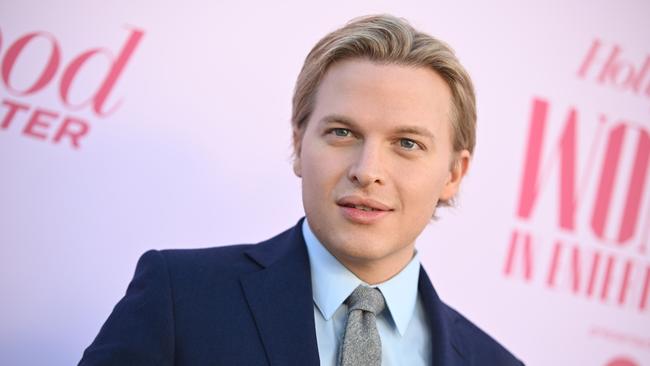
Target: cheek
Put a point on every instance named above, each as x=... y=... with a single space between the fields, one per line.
x=422 y=187
x=316 y=173
x=322 y=165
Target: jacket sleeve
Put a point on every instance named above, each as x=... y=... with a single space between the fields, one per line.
x=140 y=330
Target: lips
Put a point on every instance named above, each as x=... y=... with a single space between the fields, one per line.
x=366 y=204
x=361 y=210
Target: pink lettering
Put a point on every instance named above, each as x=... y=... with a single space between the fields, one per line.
x=615 y=71
x=635 y=187
x=117 y=66
x=14 y=107
x=530 y=185
x=14 y=51
x=38 y=122
x=73 y=128
x=526 y=255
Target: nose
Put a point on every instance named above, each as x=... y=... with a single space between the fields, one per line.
x=367 y=167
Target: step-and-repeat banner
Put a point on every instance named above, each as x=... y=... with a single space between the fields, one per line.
x=136 y=125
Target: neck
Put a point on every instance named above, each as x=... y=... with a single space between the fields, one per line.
x=379 y=270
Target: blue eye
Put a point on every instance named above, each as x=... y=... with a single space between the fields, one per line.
x=341 y=132
x=408 y=144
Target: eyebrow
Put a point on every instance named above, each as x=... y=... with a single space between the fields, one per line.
x=414 y=130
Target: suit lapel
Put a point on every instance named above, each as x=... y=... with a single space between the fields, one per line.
x=447 y=347
x=281 y=301
x=280 y=298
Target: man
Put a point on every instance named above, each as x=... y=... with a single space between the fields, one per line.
x=383 y=131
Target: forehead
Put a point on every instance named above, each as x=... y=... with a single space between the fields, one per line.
x=384 y=94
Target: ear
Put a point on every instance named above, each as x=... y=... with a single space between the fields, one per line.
x=457 y=171
x=297 y=169
x=297 y=149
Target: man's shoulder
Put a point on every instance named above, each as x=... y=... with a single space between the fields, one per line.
x=232 y=258
x=477 y=344
x=190 y=262
x=195 y=256
x=196 y=273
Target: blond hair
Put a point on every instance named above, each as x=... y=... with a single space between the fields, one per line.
x=387 y=39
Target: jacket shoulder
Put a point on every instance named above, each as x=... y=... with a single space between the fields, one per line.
x=168 y=285
x=480 y=347
x=228 y=254
x=239 y=258
x=214 y=262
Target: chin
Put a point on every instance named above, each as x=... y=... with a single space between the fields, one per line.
x=362 y=253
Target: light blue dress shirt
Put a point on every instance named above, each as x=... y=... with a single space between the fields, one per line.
x=403 y=328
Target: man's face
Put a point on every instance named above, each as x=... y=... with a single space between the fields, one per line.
x=375 y=157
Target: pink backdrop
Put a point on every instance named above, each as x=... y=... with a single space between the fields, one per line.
x=151 y=124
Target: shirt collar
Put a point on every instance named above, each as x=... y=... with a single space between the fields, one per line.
x=332 y=283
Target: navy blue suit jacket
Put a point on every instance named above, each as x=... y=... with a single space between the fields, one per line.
x=248 y=305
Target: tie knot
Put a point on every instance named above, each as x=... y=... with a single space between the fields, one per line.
x=367 y=299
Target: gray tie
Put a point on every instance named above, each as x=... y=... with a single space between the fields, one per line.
x=361 y=344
